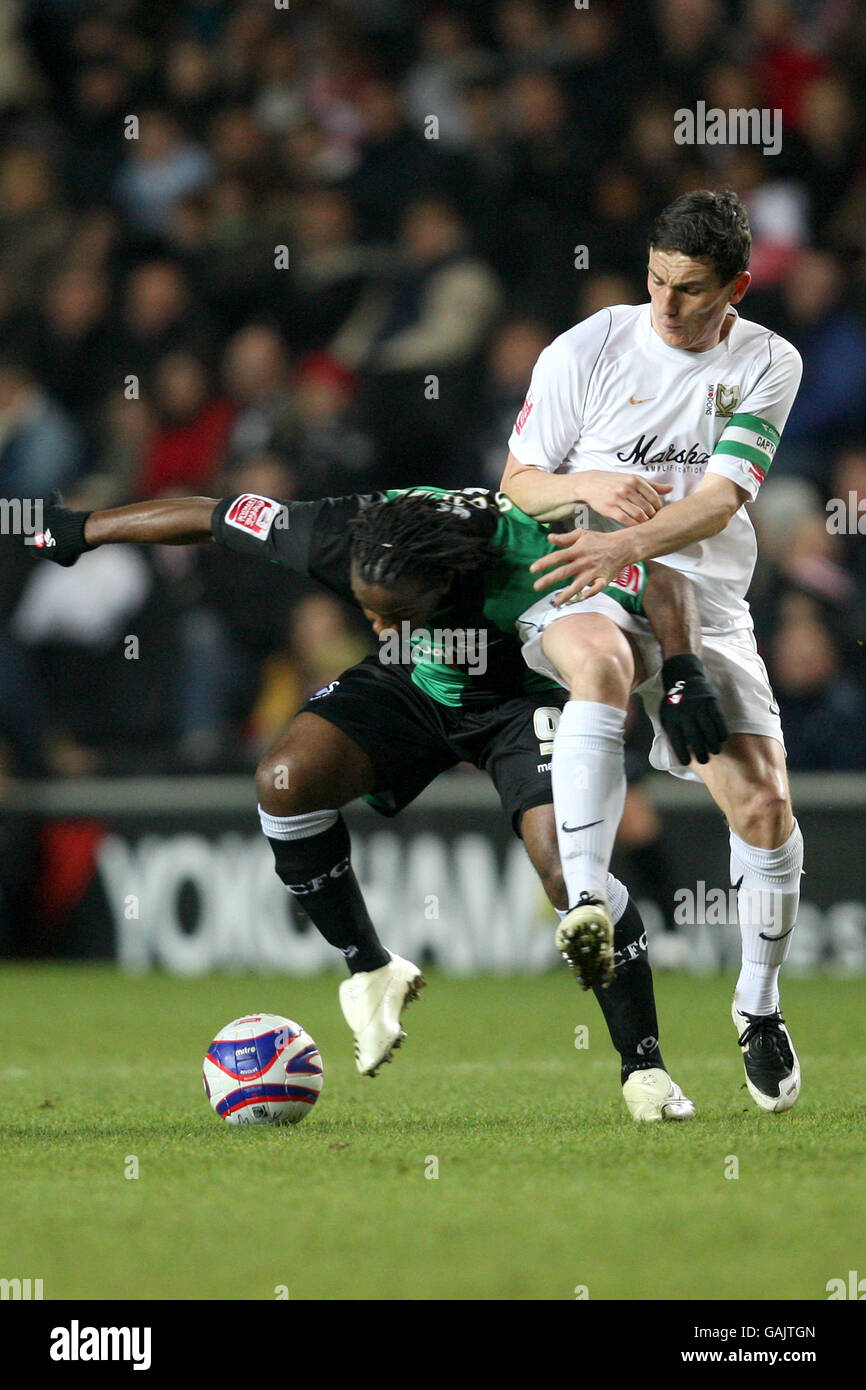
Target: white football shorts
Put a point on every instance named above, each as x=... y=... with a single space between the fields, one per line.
x=734 y=669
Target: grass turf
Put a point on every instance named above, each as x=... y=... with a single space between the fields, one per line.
x=544 y=1183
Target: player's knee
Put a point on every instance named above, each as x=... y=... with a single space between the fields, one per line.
x=764 y=815
x=599 y=676
x=281 y=782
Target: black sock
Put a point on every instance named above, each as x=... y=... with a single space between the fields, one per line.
x=628 y=1003
x=652 y=864
x=317 y=870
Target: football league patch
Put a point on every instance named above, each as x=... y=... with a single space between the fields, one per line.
x=253 y=514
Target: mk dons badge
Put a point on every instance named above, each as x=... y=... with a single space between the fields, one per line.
x=727 y=399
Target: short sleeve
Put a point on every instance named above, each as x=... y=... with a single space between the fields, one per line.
x=748 y=443
x=551 y=418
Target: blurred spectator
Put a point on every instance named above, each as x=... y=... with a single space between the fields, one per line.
x=419 y=345
x=513 y=353
x=330 y=454
x=328 y=271
x=434 y=86
x=75 y=343
x=192 y=428
x=161 y=167
x=441 y=307
x=395 y=161
x=831 y=337
x=823 y=710
x=40 y=446
x=34 y=225
x=95 y=146
x=99 y=637
x=258 y=378
x=158 y=315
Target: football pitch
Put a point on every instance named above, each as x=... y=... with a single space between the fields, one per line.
x=493 y=1160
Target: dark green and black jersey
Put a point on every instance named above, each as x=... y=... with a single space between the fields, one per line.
x=314 y=538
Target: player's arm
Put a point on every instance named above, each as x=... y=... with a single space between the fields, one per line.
x=624 y=497
x=66 y=533
x=735 y=471
x=690 y=713
x=591 y=559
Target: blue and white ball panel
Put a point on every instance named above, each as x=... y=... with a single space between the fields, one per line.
x=262 y=1069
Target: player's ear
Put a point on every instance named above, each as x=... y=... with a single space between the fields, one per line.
x=741 y=284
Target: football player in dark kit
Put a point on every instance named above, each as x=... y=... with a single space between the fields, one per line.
x=450 y=572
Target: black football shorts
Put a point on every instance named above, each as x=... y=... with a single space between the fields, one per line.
x=411 y=738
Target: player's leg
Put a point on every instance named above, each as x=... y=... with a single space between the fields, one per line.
x=594 y=661
x=312 y=771
x=362 y=735
x=748 y=782
x=628 y=1003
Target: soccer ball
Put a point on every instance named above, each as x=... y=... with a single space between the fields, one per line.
x=262 y=1069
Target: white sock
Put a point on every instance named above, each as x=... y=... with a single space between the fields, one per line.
x=296 y=827
x=588 y=777
x=767 y=899
x=617 y=900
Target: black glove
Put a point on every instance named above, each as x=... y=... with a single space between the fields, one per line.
x=690 y=713
x=62 y=536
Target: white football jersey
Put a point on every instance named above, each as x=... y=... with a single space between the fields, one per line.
x=610 y=393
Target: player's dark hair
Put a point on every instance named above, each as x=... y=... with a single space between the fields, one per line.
x=706 y=224
x=420 y=537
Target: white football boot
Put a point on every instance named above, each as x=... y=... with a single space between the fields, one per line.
x=372 y=1001
x=651 y=1095
x=772 y=1066
x=584 y=938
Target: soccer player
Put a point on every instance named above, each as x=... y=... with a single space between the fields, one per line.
x=457 y=563
x=692 y=399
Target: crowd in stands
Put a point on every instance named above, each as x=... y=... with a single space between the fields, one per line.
x=317 y=249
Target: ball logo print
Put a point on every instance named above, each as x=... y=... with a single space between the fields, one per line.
x=262 y=1069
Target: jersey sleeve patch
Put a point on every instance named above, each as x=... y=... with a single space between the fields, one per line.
x=524 y=414
x=628 y=586
x=253 y=514
x=753 y=442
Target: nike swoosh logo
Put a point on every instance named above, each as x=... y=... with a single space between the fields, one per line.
x=570 y=829
x=780 y=937
x=642 y=400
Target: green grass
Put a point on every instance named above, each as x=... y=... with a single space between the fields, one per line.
x=544 y=1182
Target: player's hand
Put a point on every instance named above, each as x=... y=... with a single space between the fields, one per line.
x=690 y=713
x=624 y=497
x=62 y=536
x=591 y=559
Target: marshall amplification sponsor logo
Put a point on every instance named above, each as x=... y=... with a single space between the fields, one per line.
x=692 y=460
